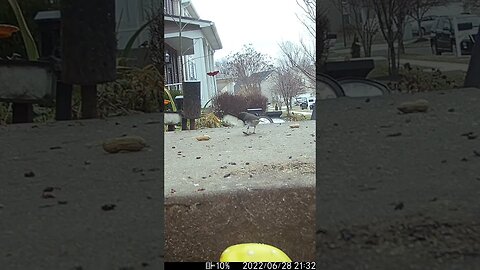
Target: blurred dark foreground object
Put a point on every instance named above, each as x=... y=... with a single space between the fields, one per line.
x=473 y=74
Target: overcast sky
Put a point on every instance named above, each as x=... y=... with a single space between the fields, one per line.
x=264 y=23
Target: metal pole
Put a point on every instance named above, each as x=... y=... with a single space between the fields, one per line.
x=180 y=36
x=343 y=24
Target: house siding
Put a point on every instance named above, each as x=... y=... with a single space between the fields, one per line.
x=196 y=65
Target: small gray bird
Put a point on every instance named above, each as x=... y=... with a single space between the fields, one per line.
x=250 y=120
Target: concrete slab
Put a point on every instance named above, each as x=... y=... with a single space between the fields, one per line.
x=71 y=230
x=399 y=191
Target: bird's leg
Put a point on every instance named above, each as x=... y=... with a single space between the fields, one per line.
x=254 y=129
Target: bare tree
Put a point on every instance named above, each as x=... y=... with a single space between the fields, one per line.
x=243 y=64
x=400 y=22
x=309 y=16
x=364 y=21
x=302 y=56
x=222 y=66
x=389 y=14
x=321 y=40
x=299 y=58
x=471 y=4
x=288 y=84
x=420 y=8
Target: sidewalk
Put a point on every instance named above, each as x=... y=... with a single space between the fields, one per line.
x=442 y=66
x=339 y=48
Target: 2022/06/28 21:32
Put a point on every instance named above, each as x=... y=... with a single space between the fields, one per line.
x=279 y=265
x=261 y=265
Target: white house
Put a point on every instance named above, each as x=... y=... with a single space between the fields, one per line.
x=196 y=44
x=225 y=84
x=197 y=41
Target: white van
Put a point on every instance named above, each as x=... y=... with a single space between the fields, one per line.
x=310 y=102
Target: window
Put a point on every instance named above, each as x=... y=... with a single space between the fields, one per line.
x=192 y=70
x=465 y=26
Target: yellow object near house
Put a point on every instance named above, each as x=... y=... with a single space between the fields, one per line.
x=253 y=252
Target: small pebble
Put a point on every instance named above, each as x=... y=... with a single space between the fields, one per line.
x=48 y=195
x=399 y=206
x=108 y=207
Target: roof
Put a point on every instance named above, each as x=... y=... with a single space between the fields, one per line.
x=47 y=15
x=261 y=76
x=207 y=27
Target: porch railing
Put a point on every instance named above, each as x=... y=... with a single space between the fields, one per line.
x=174 y=86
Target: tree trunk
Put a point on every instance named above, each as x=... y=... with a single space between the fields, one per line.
x=420 y=32
x=368 y=49
x=393 y=69
x=401 y=46
x=286 y=104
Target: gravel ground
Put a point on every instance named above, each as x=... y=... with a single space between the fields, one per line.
x=399 y=191
x=236 y=189
x=98 y=211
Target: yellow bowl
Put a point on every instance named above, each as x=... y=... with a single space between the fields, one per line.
x=253 y=252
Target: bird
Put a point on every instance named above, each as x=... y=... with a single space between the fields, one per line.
x=250 y=120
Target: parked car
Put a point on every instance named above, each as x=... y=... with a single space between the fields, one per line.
x=299 y=101
x=427 y=24
x=311 y=101
x=443 y=34
x=304 y=105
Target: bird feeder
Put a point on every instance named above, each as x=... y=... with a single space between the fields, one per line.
x=191 y=107
x=24 y=83
x=7 y=30
x=89 y=47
